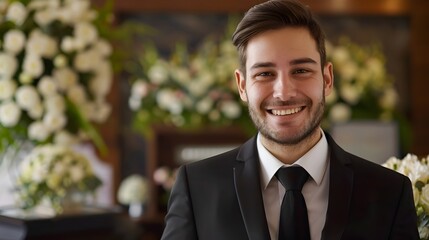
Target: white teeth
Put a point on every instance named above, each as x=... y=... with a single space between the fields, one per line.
x=286 y=111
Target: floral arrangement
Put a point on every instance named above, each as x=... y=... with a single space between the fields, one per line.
x=418 y=172
x=133 y=189
x=189 y=90
x=51 y=172
x=363 y=88
x=55 y=71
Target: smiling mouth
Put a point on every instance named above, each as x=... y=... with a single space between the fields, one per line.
x=285 y=112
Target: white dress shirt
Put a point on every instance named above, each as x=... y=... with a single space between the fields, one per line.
x=315 y=190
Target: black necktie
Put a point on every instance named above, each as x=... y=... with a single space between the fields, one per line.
x=293 y=216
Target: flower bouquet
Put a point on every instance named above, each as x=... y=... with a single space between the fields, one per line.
x=52 y=173
x=188 y=90
x=418 y=172
x=55 y=72
x=133 y=191
x=363 y=88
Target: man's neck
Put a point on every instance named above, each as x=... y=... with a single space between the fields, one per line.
x=290 y=153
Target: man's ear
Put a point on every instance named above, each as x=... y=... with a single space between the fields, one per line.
x=240 y=80
x=328 y=78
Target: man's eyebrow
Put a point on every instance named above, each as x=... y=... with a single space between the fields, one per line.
x=302 y=61
x=262 y=65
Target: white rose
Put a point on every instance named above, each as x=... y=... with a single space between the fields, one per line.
x=54 y=121
x=64 y=138
x=85 y=32
x=134 y=103
x=38 y=131
x=340 y=112
x=55 y=103
x=68 y=44
x=76 y=173
x=416 y=195
x=133 y=189
x=65 y=78
x=86 y=61
x=350 y=94
x=77 y=94
x=47 y=86
x=41 y=44
x=231 y=109
x=103 y=47
x=7 y=89
x=424 y=198
x=46 y=16
x=60 y=61
x=8 y=65
x=158 y=73
x=27 y=96
x=14 y=41
x=101 y=83
x=203 y=106
x=17 y=13
x=33 y=65
x=101 y=112
x=36 y=111
x=10 y=113
x=388 y=99
x=139 y=89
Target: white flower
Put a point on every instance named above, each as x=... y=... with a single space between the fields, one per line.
x=85 y=32
x=64 y=138
x=424 y=198
x=77 y=173
x=77 y=94
x=8 y=65
x=340 y=113
x=27 y=96
x=33 y=65
x=65 y=78
x=17 y=13
x=139 y=89
x=350 y=93
x=41 y=44
x=54 y=121
x=46 y=16
x=47 y=86
x=7 y=89
x=55 y=103
x=389 y=99
x=38 y=131
x=204 y=106
x=134 y=103
x=14 y=41
x=60 y=61
x=158 y=73
x=100 y=112
x=36 y=111
x=133 y=189
x=231 y=109
x=68 y=44
x=103 y=47
x=10 y=113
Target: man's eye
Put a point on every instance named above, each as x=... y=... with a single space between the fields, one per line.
x=263 y=74
x=301 y=71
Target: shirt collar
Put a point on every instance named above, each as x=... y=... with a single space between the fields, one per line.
x=314 y=161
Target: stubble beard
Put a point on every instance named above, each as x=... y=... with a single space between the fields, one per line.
x=312 y=125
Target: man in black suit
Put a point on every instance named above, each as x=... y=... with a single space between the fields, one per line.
x=284 y=78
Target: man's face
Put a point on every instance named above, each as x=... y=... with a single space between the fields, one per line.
x=284 y=85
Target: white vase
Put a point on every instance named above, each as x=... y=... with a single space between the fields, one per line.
x=135 y=210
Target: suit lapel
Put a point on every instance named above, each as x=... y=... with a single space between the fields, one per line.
x=248 y=190
x=340 y=192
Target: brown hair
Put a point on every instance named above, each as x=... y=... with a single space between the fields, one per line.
x=272 y=15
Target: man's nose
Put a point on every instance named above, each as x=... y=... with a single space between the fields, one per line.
x=284 y=87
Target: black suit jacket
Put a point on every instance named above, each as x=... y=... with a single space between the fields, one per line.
x=220 y=198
